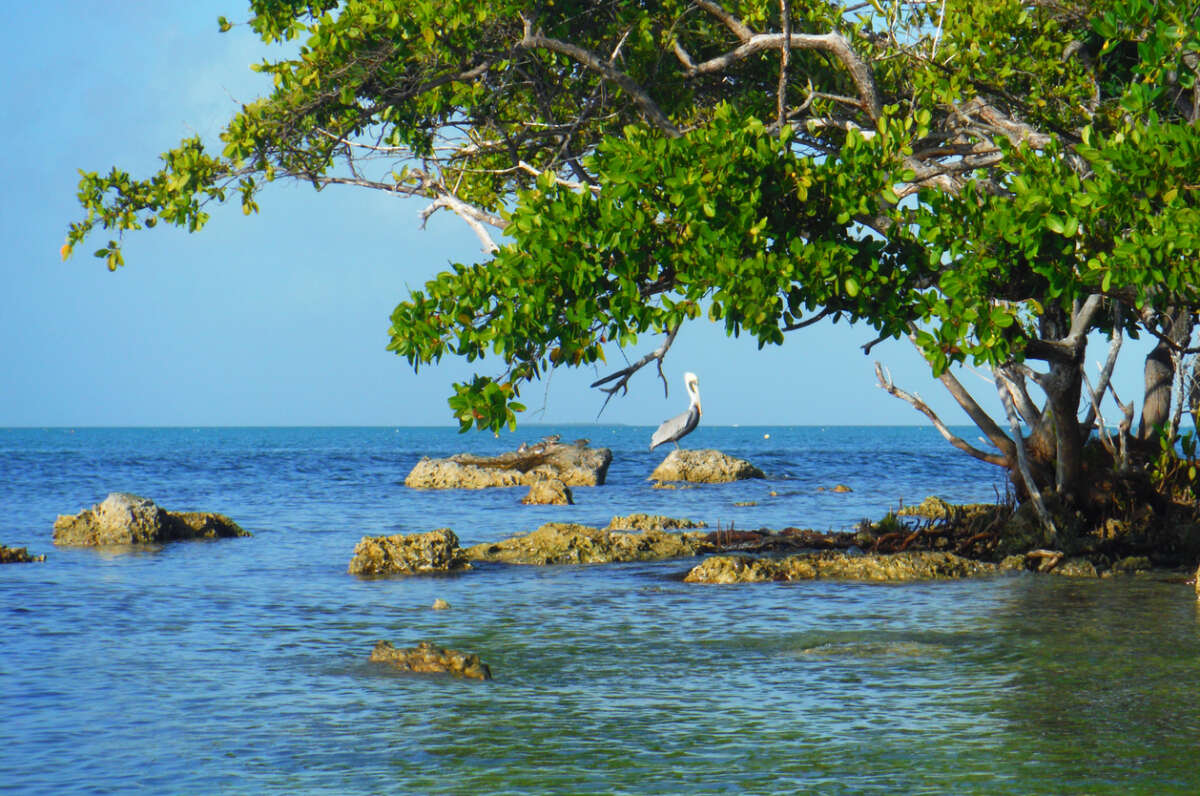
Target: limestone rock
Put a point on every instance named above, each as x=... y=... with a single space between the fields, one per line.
x=17 y=555
x=574 y=465
x=123 y=519
x=651 y=522
x=567 y=543
x=705 y=466
x=428 y=659
x=838 y=566
x=434 y=551
x=549 y=492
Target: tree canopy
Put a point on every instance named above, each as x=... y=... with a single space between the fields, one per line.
x=994 y=180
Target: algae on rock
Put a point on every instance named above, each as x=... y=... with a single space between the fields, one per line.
x=425 y=658
x=568 y=543
x=838 y=566
x=399 y=554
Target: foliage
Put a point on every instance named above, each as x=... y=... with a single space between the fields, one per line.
x=996 y=180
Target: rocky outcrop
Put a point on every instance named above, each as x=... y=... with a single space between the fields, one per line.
x=1050 y=561
x=705 y=466
x=651 y=522
x=124 y=519
x=434 y=551
x=17 y=555
x=566 y=543
x=574 y=465
x=425 y=658
x=838 y=566
x=549 y=492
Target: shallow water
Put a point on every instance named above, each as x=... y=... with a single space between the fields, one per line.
x=240 y=665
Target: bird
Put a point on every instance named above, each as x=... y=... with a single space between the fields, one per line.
x=681 y=425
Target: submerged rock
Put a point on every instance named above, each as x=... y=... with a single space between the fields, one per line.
x=838 y=566
x=704 y=466
x=549 y=492
x=651 y=522
x=124 y=519
x=17 y=555
x=425 y=658
x=574 y=465
x=567 y=543
x=434 y=551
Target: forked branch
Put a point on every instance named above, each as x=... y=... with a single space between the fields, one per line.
x=622 y=376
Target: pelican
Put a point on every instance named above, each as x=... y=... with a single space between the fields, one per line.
x=681 y=425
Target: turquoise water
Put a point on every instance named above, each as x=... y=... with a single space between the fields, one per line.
x=240 y=666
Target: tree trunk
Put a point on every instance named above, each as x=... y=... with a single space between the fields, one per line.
x=1160 y=374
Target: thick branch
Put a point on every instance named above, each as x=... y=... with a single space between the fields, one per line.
x=602 y=67
x=1014 y=423
x=833 y=43
x=885 y=381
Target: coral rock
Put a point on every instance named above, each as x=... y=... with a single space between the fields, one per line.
x=704 y=466
x=566 y=543
x=838 y=566
x=574 y=465
x=549 y=492
x=17 y=555
x=434 y=551
x=428 y=659
x=123 y=519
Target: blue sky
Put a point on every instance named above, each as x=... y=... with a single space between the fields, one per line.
x=282 y=318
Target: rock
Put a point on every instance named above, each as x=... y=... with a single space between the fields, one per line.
x=1131 y=564
x=123 y=519
x=428 y=659
x=1076 y=568
x=574 y=465
x=549 y=492
x=17 y=555
x=567 y=543
x=838 y=566
x=651 y=522
x=434 y=551
x=841 y=488
x=440 y=605
x=1050 y=561
x=704 y=466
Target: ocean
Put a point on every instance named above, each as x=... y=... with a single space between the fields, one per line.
x=240 y=666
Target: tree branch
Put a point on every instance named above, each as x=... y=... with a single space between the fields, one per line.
x=885 y=382
x=1014 y=423
x=648 y=106
x=833 y=43
x=622 y=376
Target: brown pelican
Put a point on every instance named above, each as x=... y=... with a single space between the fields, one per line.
x=681 y=425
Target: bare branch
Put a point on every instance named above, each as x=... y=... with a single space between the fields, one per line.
x=791 y=327
x=885 y=382
x=622 y=376
x=733 y=23
x=601 y=66
x=1105 y=376
x=1014 y=423
x=833 y=43
x=785 y=53
x=1094 y=398
x=474 y=217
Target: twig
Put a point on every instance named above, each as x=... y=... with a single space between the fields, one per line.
x=622 y=376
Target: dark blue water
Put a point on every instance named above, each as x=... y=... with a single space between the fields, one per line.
x=240 y=665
